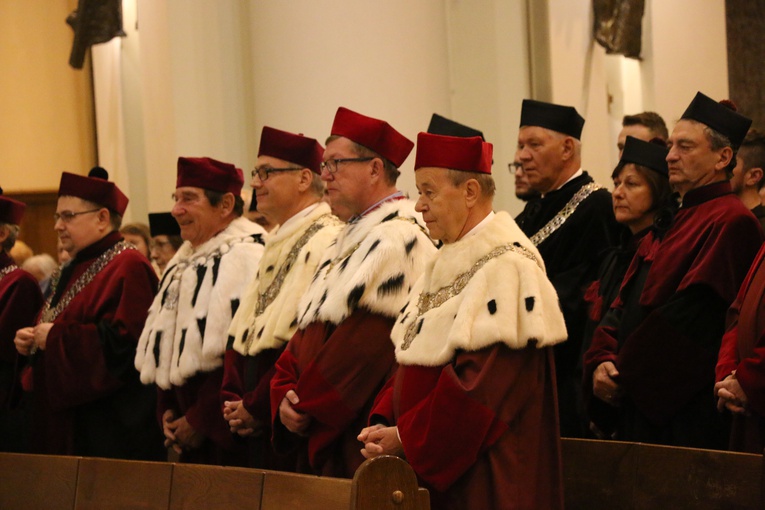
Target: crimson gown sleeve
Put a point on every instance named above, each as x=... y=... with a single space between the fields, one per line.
x=750 y=373
x=382 y=409
x=205 y=415
x=232 y=387
x=85 y=361
x=476 y=400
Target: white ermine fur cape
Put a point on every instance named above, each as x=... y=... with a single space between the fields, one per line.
x=507 y=299
x=283 y=277
x=187 y=328
x=373 y=265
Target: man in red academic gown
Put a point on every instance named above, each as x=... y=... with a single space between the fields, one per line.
x=182 y=346
x=655 y=354
x=85 y=395
x=20 y=302
x=341 y=355
x=473 y=406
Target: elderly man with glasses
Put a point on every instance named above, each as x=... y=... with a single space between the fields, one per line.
x=341 y=355
x=183 y=343
x=83 y=394
x=289 y=191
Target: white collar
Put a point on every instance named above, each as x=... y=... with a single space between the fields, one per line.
x=473 y=231
x=299 y=215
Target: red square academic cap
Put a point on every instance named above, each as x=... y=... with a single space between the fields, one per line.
x=209 y=174
x=11 y=211
x=298 y=149
x=376 y=135
x=454 y=152
x=94 y=188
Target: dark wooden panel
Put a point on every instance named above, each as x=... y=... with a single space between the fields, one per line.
x=37 y=225
x=37 y=481
x=104 y=483
x=205 y=487
x=303 y=492
x=598 y=474
x=670 y=477
x=745 y=24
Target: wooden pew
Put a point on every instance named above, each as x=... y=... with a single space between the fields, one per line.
x=50 y=482
x=611 y=474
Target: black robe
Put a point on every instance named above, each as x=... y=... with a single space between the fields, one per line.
x=572 y=255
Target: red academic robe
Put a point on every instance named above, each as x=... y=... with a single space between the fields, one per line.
x=336 y=372
x=482 y=431
x=248 y=378
x=20 y=302
x=743 y=350
x=86 y=396
x=666 y=361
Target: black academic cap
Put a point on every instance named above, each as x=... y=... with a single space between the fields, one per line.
x=723 y=119
x=442 y=126
x=563 y=119
x=163 y=224
x=648 y=154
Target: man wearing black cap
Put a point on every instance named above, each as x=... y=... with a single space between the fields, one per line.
x=572 y=224
x=86 y=398
x=20 y=302
x=165 y=239
x=184 y=340
x=669 y=332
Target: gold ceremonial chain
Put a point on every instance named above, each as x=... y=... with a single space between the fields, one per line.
x=48 y=314
x=8 y=270
x=431 y=300
x=568 y=209
x=269 y=295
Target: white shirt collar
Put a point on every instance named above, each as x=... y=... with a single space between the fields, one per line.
x=473 y=231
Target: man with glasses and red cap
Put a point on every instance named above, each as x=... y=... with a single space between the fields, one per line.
x=341 y=355
x=472 y=406
x=289 y=189
x=20 y=302
x=85 y=397
x=183 y=343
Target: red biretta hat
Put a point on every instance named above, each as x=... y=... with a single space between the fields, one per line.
x=376 y=135
x=298 y=149
x=453 y=152
x=11 y=211
x=94 y=188
x=209 y=174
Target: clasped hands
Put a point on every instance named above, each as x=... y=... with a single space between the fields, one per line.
x=179 y=434
x=380 y=440
x=731 y=396
x=29 y=340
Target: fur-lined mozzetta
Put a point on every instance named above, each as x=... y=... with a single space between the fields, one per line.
x=277 y=322
x=373 y=265
x=504 y=296
x=187 y=328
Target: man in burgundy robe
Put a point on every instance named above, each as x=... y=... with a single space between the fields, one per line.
x=20 y=302
x=339 y=358
x=472 y=406
x=664 y=338
x=84 y=395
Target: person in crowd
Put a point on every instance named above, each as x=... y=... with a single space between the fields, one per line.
x=42 y=267
x=21 y=252
x=139 y=235
x=253 y=214
x=20 y=302
x=472 y=405
x=749 y=173
x=523 y=190
x=663 y=334
x=643 y=202
x=61 y=254
x=289 y=189
x=165 y=239
x=644 y=126
x=83 y=395
x=183 y=343
x=340 y=357
x=572 y=224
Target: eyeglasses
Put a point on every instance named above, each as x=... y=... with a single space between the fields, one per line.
x=264 y=171
x=514 y=167
x=67 y=216
x=331 y=164
x=158 y=244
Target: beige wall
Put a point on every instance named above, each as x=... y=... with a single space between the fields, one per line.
x=45 y=106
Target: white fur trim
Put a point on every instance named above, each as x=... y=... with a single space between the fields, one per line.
x=234 y=255
x=373 y=265
x=278 y=322
x=494 y=305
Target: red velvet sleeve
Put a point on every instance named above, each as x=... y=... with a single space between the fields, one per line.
x=205 y=415
x=382 y=409
x=475 y=401
x=232 y=387
x=20 y=302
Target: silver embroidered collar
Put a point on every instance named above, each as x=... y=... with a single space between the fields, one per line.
x=564 y=214
x=8 y=270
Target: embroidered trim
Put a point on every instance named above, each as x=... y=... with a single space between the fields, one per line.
x=269 y=295
x=430 y=300
x=48 y=314
x=8 y=270
x=564 y=214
